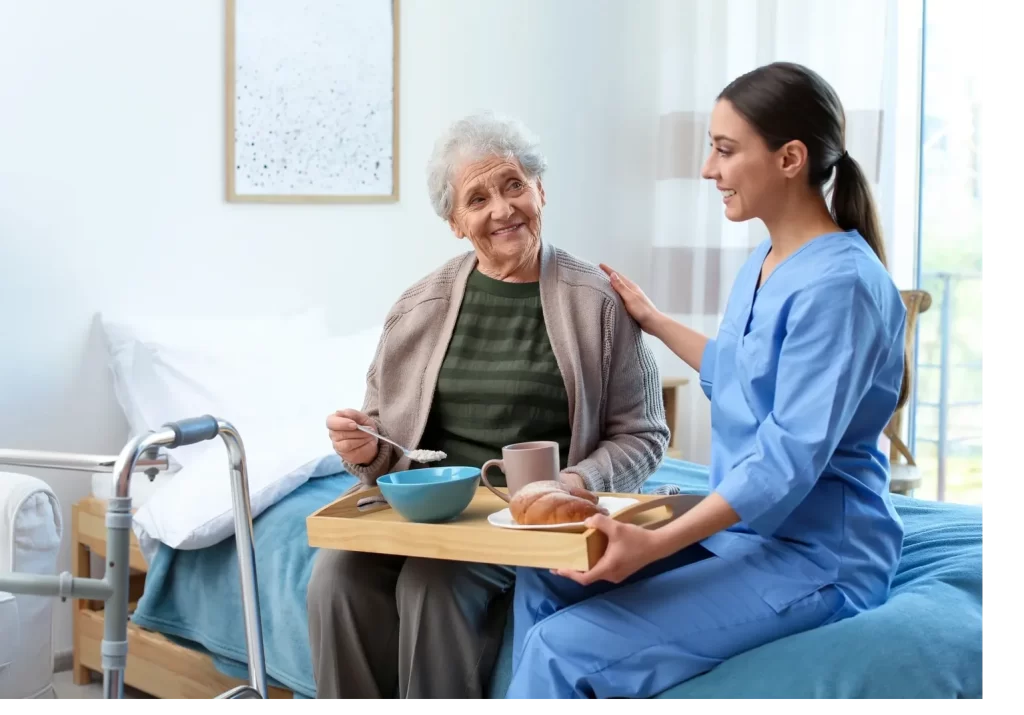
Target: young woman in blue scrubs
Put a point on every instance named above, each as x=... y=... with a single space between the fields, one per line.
x=807 y=368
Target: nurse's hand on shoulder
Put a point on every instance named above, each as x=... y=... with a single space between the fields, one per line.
x=352 y=444
x=630 y=548
x=636 y=301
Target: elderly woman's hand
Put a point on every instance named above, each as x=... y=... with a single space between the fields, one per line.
x=571 y=479
x=638 y=305
x=352 y=444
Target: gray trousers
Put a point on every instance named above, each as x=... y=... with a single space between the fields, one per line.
x=381 y=626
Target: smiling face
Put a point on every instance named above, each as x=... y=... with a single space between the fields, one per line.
x=753 y=179
x=499 y=210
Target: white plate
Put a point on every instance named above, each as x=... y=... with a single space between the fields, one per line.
x=504 y=520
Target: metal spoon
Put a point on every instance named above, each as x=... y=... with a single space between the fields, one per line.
x=421 y=456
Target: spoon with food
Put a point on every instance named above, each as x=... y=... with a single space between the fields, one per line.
x=421 y=456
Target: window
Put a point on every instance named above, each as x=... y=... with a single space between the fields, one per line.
x=946 y=417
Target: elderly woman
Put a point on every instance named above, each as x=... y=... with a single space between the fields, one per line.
x=515 y=341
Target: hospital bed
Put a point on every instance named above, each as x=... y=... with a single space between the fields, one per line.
x=143 y=454
x=188 y=638
x=193 y=641
x=925 y=642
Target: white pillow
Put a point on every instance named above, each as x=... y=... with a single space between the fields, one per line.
x=142 y=348
x=277 y=397
x=193 y=510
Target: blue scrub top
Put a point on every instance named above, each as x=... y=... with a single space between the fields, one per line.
x=803 y=377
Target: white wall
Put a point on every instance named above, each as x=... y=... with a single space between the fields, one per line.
x=112 y=178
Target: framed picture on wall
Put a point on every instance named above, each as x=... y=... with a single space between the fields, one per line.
x=312 y=101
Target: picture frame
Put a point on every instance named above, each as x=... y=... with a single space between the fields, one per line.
x=312 y=101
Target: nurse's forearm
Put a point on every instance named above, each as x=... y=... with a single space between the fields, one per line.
x=688 y=344
x=711 y=515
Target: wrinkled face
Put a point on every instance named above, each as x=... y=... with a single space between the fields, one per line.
x=751 y=177
x=499 y=210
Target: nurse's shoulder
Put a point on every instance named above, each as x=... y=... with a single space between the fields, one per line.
x=848 y=271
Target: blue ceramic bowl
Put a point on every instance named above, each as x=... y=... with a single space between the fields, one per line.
x=431 y=495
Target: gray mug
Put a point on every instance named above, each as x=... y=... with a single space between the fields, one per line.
x=523 y=463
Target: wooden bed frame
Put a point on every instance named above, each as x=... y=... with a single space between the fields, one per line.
x=156 y=666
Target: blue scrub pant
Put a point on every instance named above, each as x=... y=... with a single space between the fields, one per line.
x=674 y=620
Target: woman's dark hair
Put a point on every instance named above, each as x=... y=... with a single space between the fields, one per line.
x=784 y=102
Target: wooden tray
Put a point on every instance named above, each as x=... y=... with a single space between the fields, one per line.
x=379 y=529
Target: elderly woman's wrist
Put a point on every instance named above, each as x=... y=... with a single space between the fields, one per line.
x=373 y=468
x=573 y=479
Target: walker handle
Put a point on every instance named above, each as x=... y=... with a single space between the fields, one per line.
x=193 y=430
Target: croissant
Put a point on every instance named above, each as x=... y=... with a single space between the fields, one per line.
x=551 y=502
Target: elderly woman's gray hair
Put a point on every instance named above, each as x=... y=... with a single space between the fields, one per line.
x=474 y=138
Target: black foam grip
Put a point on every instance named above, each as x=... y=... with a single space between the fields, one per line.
x=192 y=430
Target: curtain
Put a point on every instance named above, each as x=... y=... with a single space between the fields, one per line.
x=703 y=45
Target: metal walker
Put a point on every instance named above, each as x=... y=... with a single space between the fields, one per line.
x=142 y=454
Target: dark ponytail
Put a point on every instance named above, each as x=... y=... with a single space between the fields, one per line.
x=784 y=102
x=853 y=209
x=853 y=206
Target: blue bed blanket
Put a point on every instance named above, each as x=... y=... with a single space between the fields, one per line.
x=925 y=642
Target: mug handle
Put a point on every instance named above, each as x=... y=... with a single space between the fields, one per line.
x=483 y=476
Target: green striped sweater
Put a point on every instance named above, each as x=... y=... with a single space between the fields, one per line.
x=499 y=382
